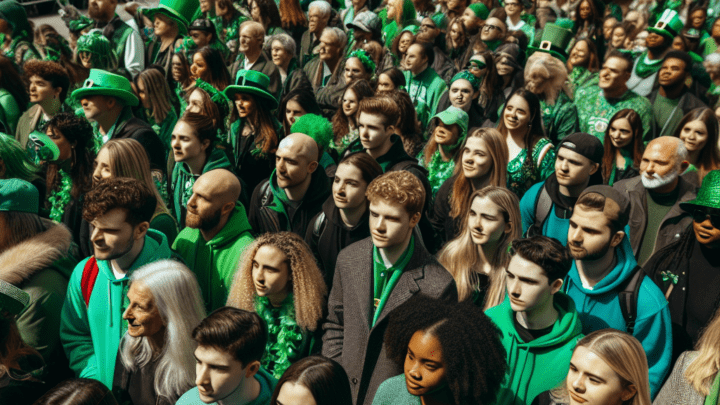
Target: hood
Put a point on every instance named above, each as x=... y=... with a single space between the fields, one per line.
x=217 y=160
x=51 y=248
x=623 y=268
x=156 y=248
x=409 y=15
x=236 y=225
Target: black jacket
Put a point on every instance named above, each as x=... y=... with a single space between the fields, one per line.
x=687 y=103
x=446 y=228
x=140 y=131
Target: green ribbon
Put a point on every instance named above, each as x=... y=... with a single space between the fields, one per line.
x=668 y=276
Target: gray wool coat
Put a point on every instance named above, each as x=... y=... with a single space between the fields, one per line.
x=677 y=390
x=348 y=338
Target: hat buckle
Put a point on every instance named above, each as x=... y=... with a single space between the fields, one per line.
x=545 y=45
x=88 y=83
x=660 y=25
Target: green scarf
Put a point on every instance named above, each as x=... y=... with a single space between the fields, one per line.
x=284 y=335
x=279 y=198
x=712 y=398
x=628 y=163
x=385 y=278
x=645 y=67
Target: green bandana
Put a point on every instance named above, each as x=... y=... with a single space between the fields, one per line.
x=385 y=279
x=646 y=67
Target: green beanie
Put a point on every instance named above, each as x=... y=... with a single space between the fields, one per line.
x=480 y=10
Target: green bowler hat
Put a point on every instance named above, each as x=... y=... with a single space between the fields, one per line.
x=708 y=195
x=180 y=11
x=255 y=83
x=669 y=25
x=103 y=83
x=12 y=299
x=19 y=195
x=555 y=40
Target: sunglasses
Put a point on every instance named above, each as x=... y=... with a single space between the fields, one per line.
x=488 y=27
x=476 y=65
x=701 y=216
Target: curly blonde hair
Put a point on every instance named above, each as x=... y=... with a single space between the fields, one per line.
x=308 y=287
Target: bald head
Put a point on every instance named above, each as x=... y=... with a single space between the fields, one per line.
x=669 y=147
x=300 y=145
x=218 y=185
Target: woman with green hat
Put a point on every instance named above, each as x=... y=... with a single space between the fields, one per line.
x=401 y=43
x=170 y=19
x=439 y=154
x=16 y=35
x=254 y=135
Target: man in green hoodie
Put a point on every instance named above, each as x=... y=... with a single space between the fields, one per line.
x=91 y=326
x=539 y=325
x=216 y=236
x=423 y=84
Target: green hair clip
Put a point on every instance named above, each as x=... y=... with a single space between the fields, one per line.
x=216 y=96
x=316 y=127
x=364 y=58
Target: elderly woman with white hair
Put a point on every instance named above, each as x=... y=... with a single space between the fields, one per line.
x=156 y=364
x=282 y=52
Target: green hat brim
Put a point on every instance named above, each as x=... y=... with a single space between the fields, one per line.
x=170 y=13
x=231 y=91
x=691 y=205
x=562 y=58
x=658 y=31
x=47 y=143
x=126 y=96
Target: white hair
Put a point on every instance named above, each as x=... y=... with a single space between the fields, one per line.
x=176 y=294
x=287 y=42
x=322 y=6
x=339 y=34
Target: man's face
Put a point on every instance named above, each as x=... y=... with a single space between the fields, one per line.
x=589 y=235
x=102 y=10
x=204 y=208
x=654 y=40
x=461 y=94
x=672 y=73
x=185 y=143
x=573 y=169
x=697 y=19
x=493 y=30
x=142 y=314
x=354 y=70
x=217 y=373
x=292 y=164
x=705 y=231
x=250 y=42
x=580 y=54
x=316 y=21
x=112 y=237
x=470 y=20
x=348 y=188
x=415 y=59
x=614 y=73
x=513 y=7
x=94 y=106
x=271 y=273
x=608 y=28
x=329 y=47
x=528 y=286
x=390 y=223
x=200 y=38
x=373 y=131
x=659 y=166
x=455 y=8
x=428 y=30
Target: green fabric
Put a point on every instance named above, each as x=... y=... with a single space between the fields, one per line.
x=394 y=390
x=581 y=77
x=645 y=67
x=628 y=162
x=9 y=111
x=267 y=386
x=390 y=27
x=519 y=176
x=165 y=224
x=101 y=82
x=712 y=397
x=101 y=139
x=165 y=128
x=214 y=262
x=385 y=278
x=425 y=90
x=438 y=169
x=18 y=195
x=708 y=46
x=560 y=119
x=656 y=211
x=595 y=111
x=709 y=193
x=285 y=337
x=666 y=114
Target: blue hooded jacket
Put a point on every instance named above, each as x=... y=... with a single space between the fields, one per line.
x=599 y=308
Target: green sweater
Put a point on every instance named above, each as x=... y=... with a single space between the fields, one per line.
x=394 y=392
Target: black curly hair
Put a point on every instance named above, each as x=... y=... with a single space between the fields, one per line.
x=78 y=131
x=473 y=370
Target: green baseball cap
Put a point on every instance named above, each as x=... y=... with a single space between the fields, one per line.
x=480 y=10
x=180 y=11
x=454 y=115
x=19 y=195
x=708 y=195
x=12 y=299
x=669 y=25
x=103 y=83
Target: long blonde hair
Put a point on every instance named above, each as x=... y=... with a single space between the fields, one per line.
x=308 y=286
x=461 y=257
x=703 y=369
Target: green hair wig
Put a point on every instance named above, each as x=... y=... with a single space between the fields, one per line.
x=316 y=127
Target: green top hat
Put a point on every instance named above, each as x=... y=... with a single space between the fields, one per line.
x=19 y=195
x=555 y=40
x=104 y=83
x=252 y=82
x=669 y=25
x=708 y=195
x=180 y=11
x=12 y=299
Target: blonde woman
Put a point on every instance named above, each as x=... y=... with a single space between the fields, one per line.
x=278 y=279
x=477 y=258
x=695 y=379
x=127 y=158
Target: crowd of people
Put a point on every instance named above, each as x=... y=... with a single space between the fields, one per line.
x=458 y=202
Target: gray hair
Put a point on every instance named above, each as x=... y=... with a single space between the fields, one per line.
x=322 y=6
x=177 y=296
x=339 y=34
x=681 y=153
x=287 y=42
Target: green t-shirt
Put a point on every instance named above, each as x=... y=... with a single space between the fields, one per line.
x=666 y=118
x=658 y=206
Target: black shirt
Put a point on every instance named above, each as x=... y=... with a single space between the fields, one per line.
x=528 y=335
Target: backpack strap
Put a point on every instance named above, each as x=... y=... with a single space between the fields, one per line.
x=543 y=206
x=90 y=273
x=628 y=296
x=319 y=226
x=266 y=193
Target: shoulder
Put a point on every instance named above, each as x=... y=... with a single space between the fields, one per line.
x=393 y=391
x=650 y=299
x=191 y=397
x=627 y=184
x=354 y=251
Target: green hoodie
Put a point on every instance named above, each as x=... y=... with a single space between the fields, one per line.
x=539 y=365
x=214 y=262
x=91 y=334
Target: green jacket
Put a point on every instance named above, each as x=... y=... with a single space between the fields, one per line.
x=390 y=27
x=91 y=334
x=539 y=365
x=214 y=262
x=425 y=90
x=9 y=112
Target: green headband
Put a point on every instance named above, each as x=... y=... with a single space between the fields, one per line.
x=365 y=59
x=464 y=74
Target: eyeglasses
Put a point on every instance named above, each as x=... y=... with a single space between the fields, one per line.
x=427 y=26
x=476 y=65
x=701 y=216
x=488 y=27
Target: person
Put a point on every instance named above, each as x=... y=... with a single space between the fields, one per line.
x=478 y=256
x=127 y=158
x=686 y=266
x=608 y=367
x=432 y=342
x=439 y=154
x=292 y=77
x=494 y=31
x=531 y=155
x=484 y=163
x=345 y=125
x=319 y=12
x=325 y=71
x=396 y=267
x=230 y=344
x=583 y=65
x=315 y=378
x=297 y=103
x=49 y=83
x=195 y=153
x=655 y=196
x=698 y=130
x=208 y=65
x=604 y=268
x=623 y=147
x=94 y=51
x=359 y=66
x=294 y=192
x=400 y=15
x=344 y=216
x=508 y=61
x=78 y=391
x=203 y=98
x=171 y=19
x=253 y=135
x=17 y=44
x=156 y=100
x=252 y=57
x=278 y=279
x=547 y=206
x=13 y=97
x=423 y=85
x=514 y=20
x=673 y=99
x=91 y=324
x=408 y=127
x=216 y=235
x=228 y=26
x=597 y=104
x=319 y=129
x=125 y=41
x=468 y=93
x=267 y=14
x=457 y=41
x=107 y=99
x=15 y=163
x=401 y=43
x=155 y=357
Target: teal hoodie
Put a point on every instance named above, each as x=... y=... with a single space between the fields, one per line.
x=214 y=262
x=267 y=386
x=91 y=334
x=599 y=308
x=539 y=365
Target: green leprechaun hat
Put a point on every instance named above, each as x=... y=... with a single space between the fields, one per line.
x=555 y=40
x=708 y=196
x=180 y=11
x=669 y=25
x=104 y=83
x=252 y=82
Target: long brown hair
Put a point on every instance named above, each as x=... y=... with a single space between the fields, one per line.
x=593 y=65
x=535 y=132
x=12 y=347
x=636 y=146
x=709 y=158
x=340 y=122
x=76 y=130
x=264 y=124
x=291 y=15
x=157 y=91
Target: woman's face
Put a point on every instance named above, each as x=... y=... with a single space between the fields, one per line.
x=185 y=143
x=162 y=25
x=424 y=365
x=478 y=66
x=446 y=135
x=384 y=83
x=406 y=40
x=178 y=70
x=142 y=94
x=695 y=135
x=103 y=168
x=503 y=68
x=618 y=37
x=486 y=222
x=271 y=273
x=621 y=133
x=280 y=56
x=476 y=159
x=293 y=111
x=517 y=113
x=457 y=37
x=62 y=143
x=697 y=19
x=199 y=68
x=41 y=89
x=585 y=10
x=591 y=381
x=350 y=103
x=580 y=54
x=461 y=94
x=255 y=12
x=354 y=70
x=195 y=102
x=348 y=187
x=219 y=10
x=678 y=44
x=245 y=104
